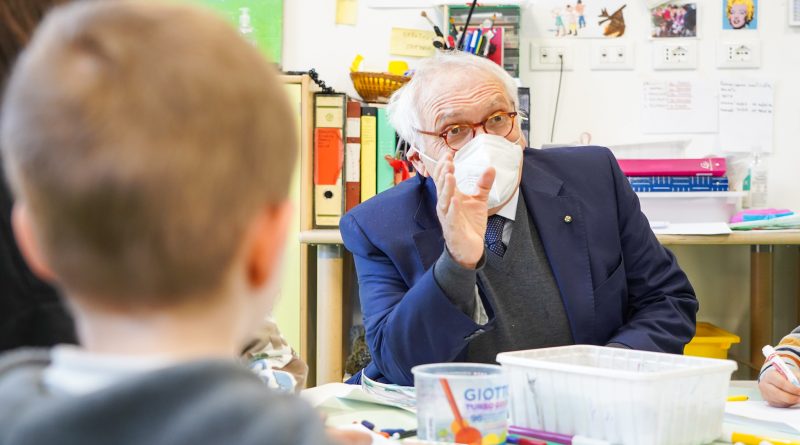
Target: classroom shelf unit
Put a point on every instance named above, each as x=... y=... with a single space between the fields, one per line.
x=311 y=306
x=295 y=307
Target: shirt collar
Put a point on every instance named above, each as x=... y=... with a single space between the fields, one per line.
x=509 y=211
x=76 y=371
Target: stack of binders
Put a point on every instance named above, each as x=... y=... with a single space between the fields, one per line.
x=676 y=175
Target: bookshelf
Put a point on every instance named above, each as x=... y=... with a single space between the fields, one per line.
x=295 y=310
x=311 y=307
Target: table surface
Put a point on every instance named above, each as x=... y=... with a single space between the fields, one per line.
x=750 y=237
x=341 y=412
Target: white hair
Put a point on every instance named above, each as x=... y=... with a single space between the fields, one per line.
x=403 y=111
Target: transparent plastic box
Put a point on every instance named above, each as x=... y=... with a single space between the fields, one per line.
x=619 y=395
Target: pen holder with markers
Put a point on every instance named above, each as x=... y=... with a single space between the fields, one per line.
x=462 y=402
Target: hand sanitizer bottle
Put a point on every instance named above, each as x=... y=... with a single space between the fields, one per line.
x=246 y=29
x=758 y=182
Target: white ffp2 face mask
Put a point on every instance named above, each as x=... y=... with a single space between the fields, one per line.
x=484 y=151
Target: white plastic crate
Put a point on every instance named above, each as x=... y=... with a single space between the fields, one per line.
x=690 y=207
x=619 y=395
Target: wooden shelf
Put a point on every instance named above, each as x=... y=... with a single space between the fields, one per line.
x=321 y=236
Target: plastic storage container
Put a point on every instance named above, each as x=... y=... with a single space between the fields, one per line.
x=619 y=395
x=711 y=342
x=690 y=207
x=462 y=402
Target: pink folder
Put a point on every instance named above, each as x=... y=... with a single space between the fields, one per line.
x=673 y=167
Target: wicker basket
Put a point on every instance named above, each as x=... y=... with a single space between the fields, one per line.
x=377 y=87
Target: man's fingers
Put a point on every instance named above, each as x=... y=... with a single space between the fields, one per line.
x=446 y=194
x=444 y=165
x=455 y=206
x=484 y=184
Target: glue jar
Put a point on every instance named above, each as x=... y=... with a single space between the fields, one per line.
x=462 y=402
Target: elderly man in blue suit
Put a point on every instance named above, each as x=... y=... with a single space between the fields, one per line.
x=495 y=247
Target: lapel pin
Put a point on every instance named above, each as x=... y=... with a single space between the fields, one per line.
x=568 y=219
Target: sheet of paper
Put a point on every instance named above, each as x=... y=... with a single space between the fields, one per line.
x=719 y=228
x=745 y=116
x=346 y=12
x=330 y=155
x=389 y=394
x=321 y=394
x=679 y=107
x=411 y=42
x=758 y=413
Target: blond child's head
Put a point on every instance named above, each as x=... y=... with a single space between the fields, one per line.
x=740 y=13
x=150 y=150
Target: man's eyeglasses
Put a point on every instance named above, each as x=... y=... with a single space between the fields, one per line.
x=456 y=136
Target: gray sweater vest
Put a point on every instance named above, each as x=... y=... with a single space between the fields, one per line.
x=529 y=312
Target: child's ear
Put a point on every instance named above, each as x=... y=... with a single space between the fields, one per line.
x=28 y=244
x=267 y=240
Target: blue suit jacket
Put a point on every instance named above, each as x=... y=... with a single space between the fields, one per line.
x=618 y=284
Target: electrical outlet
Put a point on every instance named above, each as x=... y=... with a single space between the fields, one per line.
x=739 y=55
x=675 y=56
x=546 y=56
x=612 y=56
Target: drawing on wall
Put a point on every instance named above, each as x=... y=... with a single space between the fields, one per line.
x=582 y=18
x=614 y=24
x=739 y=14
x=674 y=19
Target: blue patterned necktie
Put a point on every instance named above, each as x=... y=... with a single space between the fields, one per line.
x=494 y=235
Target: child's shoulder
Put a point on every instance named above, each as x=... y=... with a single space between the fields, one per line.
x=218 y=394
x=204 y=402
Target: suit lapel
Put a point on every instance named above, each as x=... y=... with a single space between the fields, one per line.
x=564 y=243
x=428 y=239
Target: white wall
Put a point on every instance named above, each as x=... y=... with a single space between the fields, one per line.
x=313 y=40
x=607 y=104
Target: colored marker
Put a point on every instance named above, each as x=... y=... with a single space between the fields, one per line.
x=738 y=398
x=392 y=431
x=407 y=434
x=476 y=35
x=752 y=439
x=779 y=365
x=516 y=440
x=555 y=437
x=424 y=442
